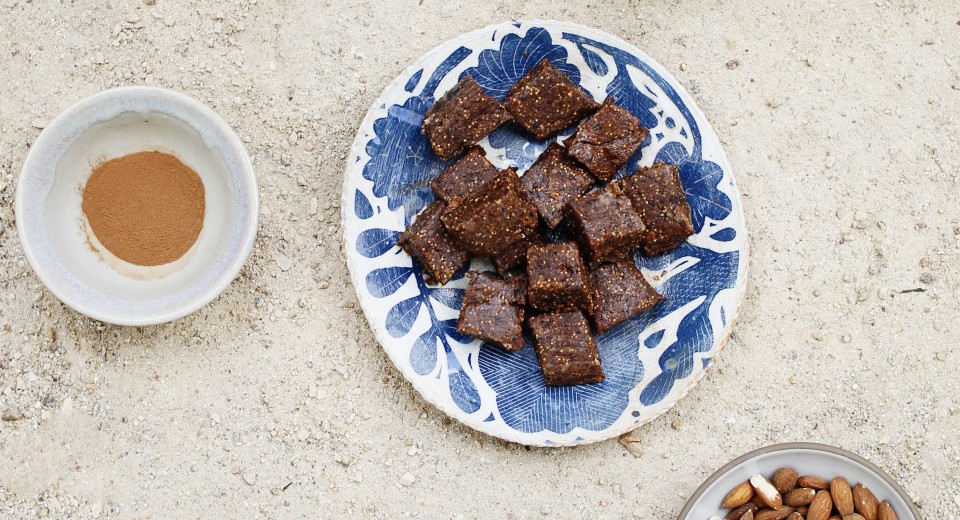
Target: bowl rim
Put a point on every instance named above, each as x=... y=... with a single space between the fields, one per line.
x=685 y=512
x=249 y=221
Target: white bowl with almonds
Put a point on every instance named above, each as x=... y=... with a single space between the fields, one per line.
x=800 y=481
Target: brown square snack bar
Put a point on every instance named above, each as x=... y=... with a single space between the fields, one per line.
x=620 y=292
x=556 y=277
x=553 y=181
x=545 y=101
x=606 y=141
x=657 y=195
x=461 y=118
x=606 y=224
x=493 y=310
x=566 y=350
x=427 y=241
x=516 y=254
x=464 y=177
x=493 y=218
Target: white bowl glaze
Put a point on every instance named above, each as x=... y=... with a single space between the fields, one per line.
x=56 y=237
x=808 y=459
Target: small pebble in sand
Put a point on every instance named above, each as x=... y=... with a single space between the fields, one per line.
x=408 y=479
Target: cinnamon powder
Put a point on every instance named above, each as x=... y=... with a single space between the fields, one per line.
x=146 y=208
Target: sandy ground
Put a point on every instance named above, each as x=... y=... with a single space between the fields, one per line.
x=841 y=120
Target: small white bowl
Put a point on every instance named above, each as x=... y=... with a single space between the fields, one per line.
x=808 y=459
x=113 y=123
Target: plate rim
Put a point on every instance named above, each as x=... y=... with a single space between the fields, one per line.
x=787 y=446
x=359 y=145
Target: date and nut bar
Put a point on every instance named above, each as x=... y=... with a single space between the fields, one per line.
x=658 y=196
x=545 y=101
x=461 y=118
x=427 y=241
x=567 y=352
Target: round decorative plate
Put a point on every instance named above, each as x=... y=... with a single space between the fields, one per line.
x=651 y=361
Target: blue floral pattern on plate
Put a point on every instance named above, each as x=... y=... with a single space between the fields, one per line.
x=650 y=361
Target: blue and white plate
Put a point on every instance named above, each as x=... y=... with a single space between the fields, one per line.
x=651 y=361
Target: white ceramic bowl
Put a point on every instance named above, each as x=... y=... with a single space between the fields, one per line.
x=111 y=124
x=808 y=459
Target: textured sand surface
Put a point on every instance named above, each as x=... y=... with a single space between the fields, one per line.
x=841 y=121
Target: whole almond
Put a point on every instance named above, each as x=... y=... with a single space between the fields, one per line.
x=854 y=516
x=813 y=482
x=800 y=497
x=821 y=506
x=865 y=502
x=774 y=514
x=767 y=494
x=738 y=496
x=886 y=512
x=784 y=480
x=738 y=513
x=842 y=495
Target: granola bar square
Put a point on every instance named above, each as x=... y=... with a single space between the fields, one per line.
x=567 y=352
x=427 y=241
x=606 y=224
x=658 y=196
x=462 y=117
x=493 y=310
x=493 y=218
x=604 y=142
x=464 y=177
x=545 y=101
x=554 y=180
x=556 y=277
x=620 y=292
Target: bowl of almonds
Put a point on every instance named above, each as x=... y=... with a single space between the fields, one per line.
x=800 y=481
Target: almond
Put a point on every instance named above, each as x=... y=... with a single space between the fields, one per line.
x=886 y=512
x=748 y=515
x=865 y=502
x=821 y=506
x=784 y=480
x=738 y=496
x=738 y=513
x=799 y=497
x=767 y=494
x=813 y=482
x=853 y=516
x=842 y=495
x=773 y=514
x=795 y=516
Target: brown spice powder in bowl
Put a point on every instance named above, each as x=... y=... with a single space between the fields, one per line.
x=146 y=208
